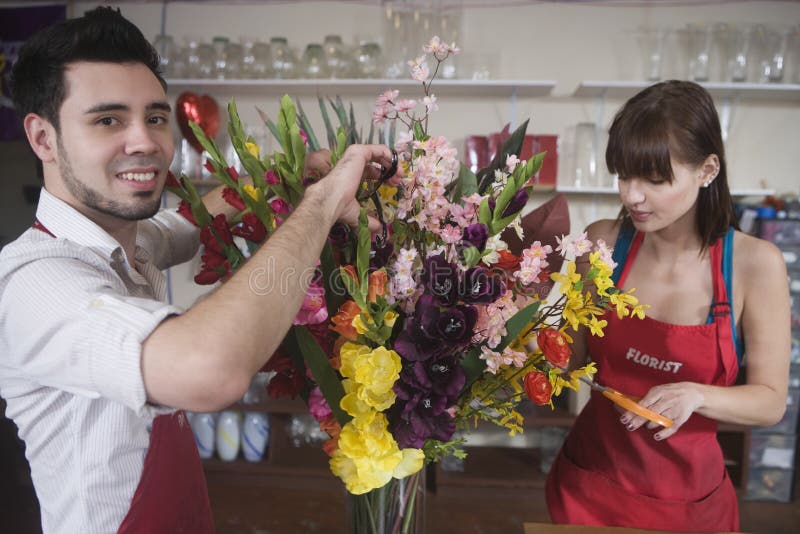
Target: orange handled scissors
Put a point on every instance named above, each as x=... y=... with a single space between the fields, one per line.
x=629 y=403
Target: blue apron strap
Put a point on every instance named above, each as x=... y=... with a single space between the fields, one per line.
x=621 y=247
x=727 y=274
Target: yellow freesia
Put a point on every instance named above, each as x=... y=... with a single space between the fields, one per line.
x=252 y=148
x=252 y=191
x=390 y=317
x=352 y=402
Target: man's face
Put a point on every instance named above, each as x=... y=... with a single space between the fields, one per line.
x=115 y=143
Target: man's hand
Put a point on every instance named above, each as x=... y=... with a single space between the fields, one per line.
x=340 y=185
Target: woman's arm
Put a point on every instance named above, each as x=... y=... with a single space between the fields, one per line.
x=760 y=275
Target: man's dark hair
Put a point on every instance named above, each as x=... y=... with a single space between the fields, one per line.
x=101 y=35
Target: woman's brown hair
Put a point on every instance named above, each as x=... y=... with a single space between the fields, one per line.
x=673 y=119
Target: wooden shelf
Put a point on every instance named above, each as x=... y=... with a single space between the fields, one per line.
x=614 y=191
x=783 y=92
x=369 y=87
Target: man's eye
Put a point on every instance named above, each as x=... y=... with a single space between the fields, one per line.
x=158 y=119
x=107 y=121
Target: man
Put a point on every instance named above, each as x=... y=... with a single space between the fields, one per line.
x=93 y=363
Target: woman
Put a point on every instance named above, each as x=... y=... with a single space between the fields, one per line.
x=711 y=290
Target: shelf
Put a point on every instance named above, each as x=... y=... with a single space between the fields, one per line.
x=370 y=87
x=752 y=91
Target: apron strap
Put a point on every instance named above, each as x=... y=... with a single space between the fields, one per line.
x=722 y=316
x=620 y=252
x=37 y=225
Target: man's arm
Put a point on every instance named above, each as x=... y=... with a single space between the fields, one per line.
x=204 y=359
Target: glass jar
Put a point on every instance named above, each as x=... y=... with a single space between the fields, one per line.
x=166 y=50
x=313 y=64
x=369 y=62
x=339 y=62
x=234 y=61
x=220 y=45
x=261 y=66
x=284 y=64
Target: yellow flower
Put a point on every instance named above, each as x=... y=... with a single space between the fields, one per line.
x=352 y=402
x=390 y=317
x=377 y=372
x=387 y=193
x=638 y=311
x=350 y=355
x=411 y=463
x=567 y=280
x=622 y=301
x=358 y=323
x=252 y=191
x=252 y=148
x=596 y=326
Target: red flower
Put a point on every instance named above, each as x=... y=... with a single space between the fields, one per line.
x=271 y=177
x=554 y=346
x=209 y=166
x=279 y=206
x=233 y=173
x=287 y=382
x=210 y=242
x=232 y=197
x=538 y=388
x=172 y=181
x=220 y=226
x=251 y=228
x=185 y=209
x=507 y=261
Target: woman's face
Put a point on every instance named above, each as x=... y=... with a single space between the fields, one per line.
x=654 y=203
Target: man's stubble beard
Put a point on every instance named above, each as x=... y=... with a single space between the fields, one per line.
x=91 y=198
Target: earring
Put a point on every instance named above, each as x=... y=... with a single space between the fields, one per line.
x=710 y=178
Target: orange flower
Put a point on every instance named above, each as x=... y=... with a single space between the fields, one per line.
x=332 y=427
x=342 y=321
x=351 y=271
x=538 y=388
x=555 y=348
x=507 y=261
x=377 y=285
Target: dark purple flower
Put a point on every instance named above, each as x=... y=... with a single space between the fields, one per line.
x=379 y=256
x=479 y=286
x=476 y=235
x=440 y=279
x=339 y=235
x=517 y=203
x=417 y=428
x=435 y=331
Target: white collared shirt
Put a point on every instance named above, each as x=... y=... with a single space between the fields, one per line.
x=73 y=315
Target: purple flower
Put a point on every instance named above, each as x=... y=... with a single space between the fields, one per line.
x=414 y=431
x=479 y=286
x=339 y=235
x=476 y=235
x=441 y=279
x=435 y=331
x=379 y=256
x=515 y=205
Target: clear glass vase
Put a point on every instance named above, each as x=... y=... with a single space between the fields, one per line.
x=396 y=508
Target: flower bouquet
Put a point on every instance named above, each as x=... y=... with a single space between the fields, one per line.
x=427 y=327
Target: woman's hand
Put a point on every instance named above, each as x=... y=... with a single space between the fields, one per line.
x=677 y=401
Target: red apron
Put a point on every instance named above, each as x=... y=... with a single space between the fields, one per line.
x=172 y=496
x=607 y=475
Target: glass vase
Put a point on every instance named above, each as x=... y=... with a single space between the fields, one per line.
x=396 y=508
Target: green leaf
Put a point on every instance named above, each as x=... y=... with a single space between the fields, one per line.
x=471 y=257
x=468 y=181
x=352 y=288
x=523 y=173
x=513 y=145
x=485 y=212
x=331 y=280
x=252 y=164
x=362 y=254
x=504 y=199
x=305 y=124
x=419 y=133
x=321 y=370
x=328 y=126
